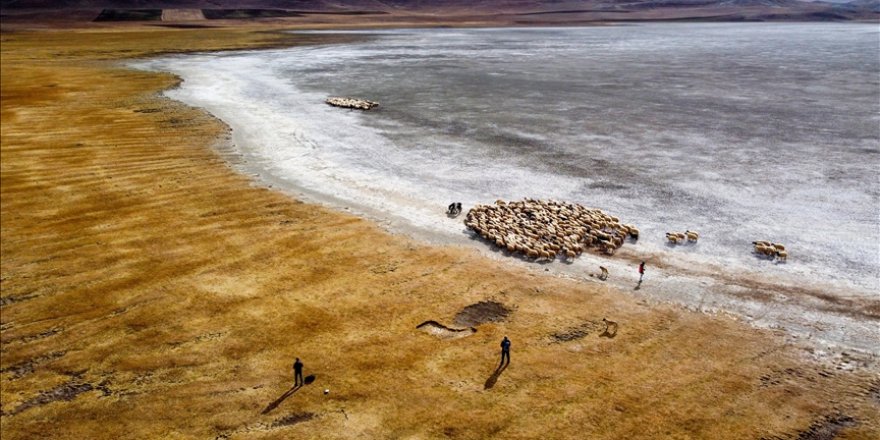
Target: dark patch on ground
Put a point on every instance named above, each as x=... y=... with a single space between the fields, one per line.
x=66 y=392
x=41 y=335
x=826 y=428
x=177 y=122
x=482 y=312
x=778 y=377
x=293 y=419
x=148 y=110
x=573 y=333
x=12 y=299
x=27 y=367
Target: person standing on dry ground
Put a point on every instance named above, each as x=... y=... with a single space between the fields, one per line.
x=505 y=351
x=641 y=271
x=297 y=373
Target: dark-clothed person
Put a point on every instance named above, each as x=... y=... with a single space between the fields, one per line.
x=297 y=372
x=505 y=350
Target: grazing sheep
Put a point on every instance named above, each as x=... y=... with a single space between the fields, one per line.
x=674 y=237
x=610 y=248
x=782 y=255
x=692 y=236
x=767 y=251
x=633 y=232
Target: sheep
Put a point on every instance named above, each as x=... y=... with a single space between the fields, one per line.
x=673 y=237
x=632 y=231
x=782 y=255
x=609 y=249
x=767 y=251
x=692 y=236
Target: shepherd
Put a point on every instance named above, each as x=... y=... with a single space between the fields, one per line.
x=641 y=271
x=505 y=351
x=298 y=373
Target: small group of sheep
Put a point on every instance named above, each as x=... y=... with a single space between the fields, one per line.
x=542 y=229
x=355 y=103
x=770 y=250
x=682 y=237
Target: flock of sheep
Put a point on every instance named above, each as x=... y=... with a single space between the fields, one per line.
x=355 y=103
x=545 y=229
x=770 y=250
x=542 y=229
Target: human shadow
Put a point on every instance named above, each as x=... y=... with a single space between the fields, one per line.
x=283 y=397
x=306 y=381
x=490 y=382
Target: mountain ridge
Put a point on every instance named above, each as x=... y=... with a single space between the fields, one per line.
x=502 y=11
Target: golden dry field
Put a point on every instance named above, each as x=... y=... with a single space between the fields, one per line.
x=149 y=291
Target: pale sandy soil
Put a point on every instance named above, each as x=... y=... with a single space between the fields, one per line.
x=149 y=290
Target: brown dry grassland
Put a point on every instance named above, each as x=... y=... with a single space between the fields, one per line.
x=149 y=291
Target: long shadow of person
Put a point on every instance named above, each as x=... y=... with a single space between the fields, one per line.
x=283 y=397
x=490 y=382
x=307 y=380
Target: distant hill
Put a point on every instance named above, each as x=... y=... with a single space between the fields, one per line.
x=376 y=11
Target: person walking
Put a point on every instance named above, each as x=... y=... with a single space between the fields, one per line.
x=505 y=350
x=297 y=373
x=641 y=271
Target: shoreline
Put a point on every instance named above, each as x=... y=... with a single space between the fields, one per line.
x=748 y=303
x=143 y=275
x=821 y=321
